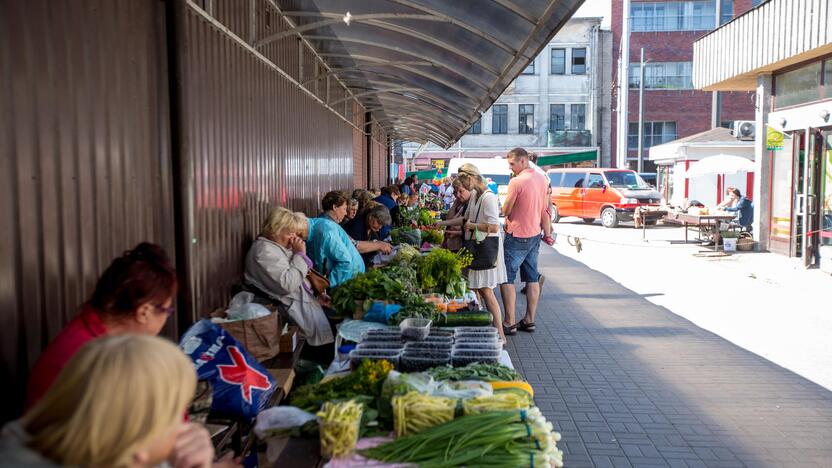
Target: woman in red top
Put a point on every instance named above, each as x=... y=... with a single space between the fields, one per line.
x=133 y=296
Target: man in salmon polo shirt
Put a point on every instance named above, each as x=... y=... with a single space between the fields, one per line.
x=524 y=209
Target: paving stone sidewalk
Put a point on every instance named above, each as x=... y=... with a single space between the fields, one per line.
x=628 y=383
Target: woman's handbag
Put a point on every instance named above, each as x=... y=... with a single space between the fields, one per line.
x=484 y=251
x=318 y=281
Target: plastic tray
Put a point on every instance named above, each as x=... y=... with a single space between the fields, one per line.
x=488 y=329
x=427 y=346
x=475 y=345
x=381 y=333
x=415 y=328
x=443 y=332
x=476 y=337
x=392 y=355
x=465 y=357
x=439 y=339
x=419 y=363
x=380 y=345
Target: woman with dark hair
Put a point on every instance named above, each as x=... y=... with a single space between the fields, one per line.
x=134 y=295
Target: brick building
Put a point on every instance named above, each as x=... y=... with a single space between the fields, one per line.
x=672 y=107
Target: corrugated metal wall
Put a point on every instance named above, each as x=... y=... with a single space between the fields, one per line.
x=359 y=148
x=86 y=165
x=252 y=141
x=84 y=160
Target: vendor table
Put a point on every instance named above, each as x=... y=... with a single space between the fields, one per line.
x=702 y=223
x=644 y=216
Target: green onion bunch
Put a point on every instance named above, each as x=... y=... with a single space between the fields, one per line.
x=496 y=439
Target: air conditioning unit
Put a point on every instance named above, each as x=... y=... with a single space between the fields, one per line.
x=744 y=130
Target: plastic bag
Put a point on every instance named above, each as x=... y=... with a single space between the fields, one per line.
x=241 y=307
x=242 y=387
x=380 y=312
x=281 y=420
x=462 y=389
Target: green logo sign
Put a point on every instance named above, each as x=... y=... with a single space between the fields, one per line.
x=774 y=139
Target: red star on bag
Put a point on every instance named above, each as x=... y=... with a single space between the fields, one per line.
x=242 y=374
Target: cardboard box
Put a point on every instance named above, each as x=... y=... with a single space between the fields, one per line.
x=285 y=378
x=289 y=340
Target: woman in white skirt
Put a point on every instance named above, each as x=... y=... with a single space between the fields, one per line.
x=482 y=215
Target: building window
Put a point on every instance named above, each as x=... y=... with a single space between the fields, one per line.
x=499 y=118
x=755 y=3
x=526 y=119
x=475 y=129
x=662 y=75
x=827 y=79
x=579 y=61
x=529 y=70
x=557 y=117
x=577 y=117
x=558 y=62
x=693 y=15
x=655 y=133
x=798 y=86
x=727 y=11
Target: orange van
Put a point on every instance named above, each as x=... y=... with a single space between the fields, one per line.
x=592 y=193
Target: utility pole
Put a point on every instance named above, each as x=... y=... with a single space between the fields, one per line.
x=623 y=87
x=641 y=115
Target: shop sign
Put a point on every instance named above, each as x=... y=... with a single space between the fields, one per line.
x=774 y=139
x=439 y=163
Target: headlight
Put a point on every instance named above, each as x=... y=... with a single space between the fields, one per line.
x=628 y=201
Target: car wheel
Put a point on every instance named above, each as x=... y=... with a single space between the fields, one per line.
x=555 y=214
x=609 y=218
x=652 y=222
x=589 y=220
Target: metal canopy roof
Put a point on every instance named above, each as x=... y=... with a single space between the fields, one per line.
x=425 y=69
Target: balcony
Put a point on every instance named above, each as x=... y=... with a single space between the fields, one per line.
x=569 y=138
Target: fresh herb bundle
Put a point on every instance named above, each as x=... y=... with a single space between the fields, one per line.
x=441 y=271
x=367 y=380
x=500 y=438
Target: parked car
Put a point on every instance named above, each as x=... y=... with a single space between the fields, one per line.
x=609 y=194
x=649 y=177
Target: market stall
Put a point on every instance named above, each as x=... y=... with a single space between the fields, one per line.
x=419 y=375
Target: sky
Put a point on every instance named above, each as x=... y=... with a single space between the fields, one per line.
x=594 y=8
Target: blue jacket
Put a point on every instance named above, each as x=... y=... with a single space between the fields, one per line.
x=332 y=251
x=746 y=212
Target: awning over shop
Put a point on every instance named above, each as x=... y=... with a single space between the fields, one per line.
x=422 y=175
x=558 y=159
x=425 y=69
x=770 y=37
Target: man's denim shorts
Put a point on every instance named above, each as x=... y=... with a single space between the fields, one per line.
x=521 y=253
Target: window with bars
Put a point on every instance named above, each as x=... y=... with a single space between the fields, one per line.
x=577 y=117
x=526 y=115
x=475 y=129
x=499 y=118
x=558 y=62
x=692 y=15
x=579 y=61
x=655 y=133
x=662 y=75
x=557 y=117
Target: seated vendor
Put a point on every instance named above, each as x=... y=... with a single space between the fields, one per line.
x=277 y=265
x=744 y=209
x=134 y=296
x=367 y=228
x=332 y=251
x=730 y=199
x=118 y=401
